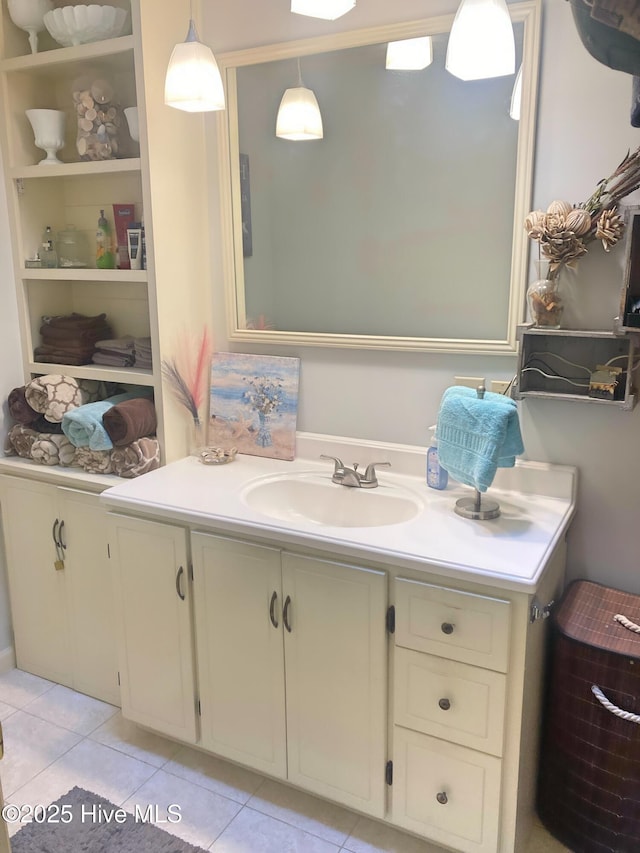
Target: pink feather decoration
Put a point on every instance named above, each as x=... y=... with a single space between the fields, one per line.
x=187 y=374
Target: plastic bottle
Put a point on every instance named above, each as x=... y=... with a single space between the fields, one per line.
x=48 y=255
x=437 y=476
x=105 y=256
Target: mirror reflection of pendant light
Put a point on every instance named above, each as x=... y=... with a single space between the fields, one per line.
x=327 y=9
x=299 y=115
x=516 y=97
x=409 y=54
x=481 y=42
x=193 y=82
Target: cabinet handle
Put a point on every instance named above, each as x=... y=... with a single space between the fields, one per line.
x=272 y=609
x=285 y=613
x=442 y=798
x=63 y=544
x=178 y=586
x=445 y=704
x=54 y=533
x=447 y=628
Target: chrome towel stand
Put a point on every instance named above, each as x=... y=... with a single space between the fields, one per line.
x=475 y=508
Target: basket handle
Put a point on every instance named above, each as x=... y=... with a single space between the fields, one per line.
x=625 y=715
x=626 y=623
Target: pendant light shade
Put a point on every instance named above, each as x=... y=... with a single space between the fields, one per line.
x=193 y=82
x=481 y=42
x=299 y=115
x=327 y=9
x=409 y=54
x=516 y=97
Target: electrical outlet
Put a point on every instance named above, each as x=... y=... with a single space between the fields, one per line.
x=469 y=381
x=500 y=386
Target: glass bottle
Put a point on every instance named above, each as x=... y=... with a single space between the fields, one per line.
x=48 y=255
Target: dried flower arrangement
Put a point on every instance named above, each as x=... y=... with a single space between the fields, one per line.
x=563 y=232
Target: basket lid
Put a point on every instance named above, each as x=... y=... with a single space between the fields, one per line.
x=595 y=615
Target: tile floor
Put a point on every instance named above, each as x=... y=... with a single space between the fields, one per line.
x=56 y=738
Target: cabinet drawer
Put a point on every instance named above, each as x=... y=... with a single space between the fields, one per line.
x=450 y=700
x=445 y=792
x=462 y=626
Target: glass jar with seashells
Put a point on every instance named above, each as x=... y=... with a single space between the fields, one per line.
x=546 y=303
x=102 y=129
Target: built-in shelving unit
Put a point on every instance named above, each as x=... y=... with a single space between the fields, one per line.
x=164 y=176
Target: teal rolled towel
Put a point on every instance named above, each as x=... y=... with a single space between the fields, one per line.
x=83 y=426
x=476 y=436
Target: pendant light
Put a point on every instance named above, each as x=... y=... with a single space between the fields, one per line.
x=409 y=54
x=193 y=82
x=516 y=97
x=299 y=117
x=481 y=42
x=327 y=9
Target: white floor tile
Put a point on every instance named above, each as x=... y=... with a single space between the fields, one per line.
x=204 y=815
x=18 y=688
x=215 y=775
x=97 y=768
x=306 y=812
x=369 y=836
x=30 y=745
x=129 y=738
x=6 y=710
x=543 y=842
x=254 y=832
x=73 y=711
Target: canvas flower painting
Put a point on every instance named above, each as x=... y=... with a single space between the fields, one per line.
x=254 y=404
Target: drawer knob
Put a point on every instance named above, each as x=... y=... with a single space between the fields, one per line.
x=442 y=798
x=445 y=704
x=447 y=628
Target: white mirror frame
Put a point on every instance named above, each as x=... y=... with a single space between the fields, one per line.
x=529 y=13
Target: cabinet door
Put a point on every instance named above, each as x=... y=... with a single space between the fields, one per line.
x=89 y=595
x=238 y=613
x=335 y=659
x=152 y=597
x=37 y=590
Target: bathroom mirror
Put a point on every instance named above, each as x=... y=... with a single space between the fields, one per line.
x=402 y=228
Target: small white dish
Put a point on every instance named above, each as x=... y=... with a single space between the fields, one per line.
x=72 y=25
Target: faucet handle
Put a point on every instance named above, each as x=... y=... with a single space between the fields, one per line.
x=338 y=463
x=370 y=472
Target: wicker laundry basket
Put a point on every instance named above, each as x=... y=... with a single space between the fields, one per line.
x=589 y=783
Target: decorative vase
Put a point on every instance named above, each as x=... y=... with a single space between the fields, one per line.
x=263 y=439
x=544 y=299
x=131 y=114
x=29 y=16
x=197 y=437
x=48 y=129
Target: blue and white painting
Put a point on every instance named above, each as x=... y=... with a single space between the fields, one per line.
x=254 y=404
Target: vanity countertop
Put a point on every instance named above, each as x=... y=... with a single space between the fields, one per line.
x=537 y=503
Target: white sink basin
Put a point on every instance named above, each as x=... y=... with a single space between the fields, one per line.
x=314 y=498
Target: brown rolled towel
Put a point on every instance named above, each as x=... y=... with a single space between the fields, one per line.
x=129 y=420
x=20 y=440
x=94 y=461
x=19 y=409
x=137 y=458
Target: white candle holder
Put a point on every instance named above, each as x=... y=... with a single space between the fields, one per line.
x=48 y=129
x=29 y=16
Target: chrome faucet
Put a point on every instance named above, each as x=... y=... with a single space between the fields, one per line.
x=344 y=476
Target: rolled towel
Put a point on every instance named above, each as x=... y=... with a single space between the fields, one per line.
x=42 y=425
x=129 y=420
x=477 y=435
x=53 y=395
x=20 y=439
x=19 y=409
x=51 y=449
x=94 y=461
x=137 y=458
x=83 y=426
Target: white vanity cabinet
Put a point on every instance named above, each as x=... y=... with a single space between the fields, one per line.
x=60 y=585
x=153 y=618
x=292 y=657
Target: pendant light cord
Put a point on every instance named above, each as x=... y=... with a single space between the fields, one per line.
x=300 y=83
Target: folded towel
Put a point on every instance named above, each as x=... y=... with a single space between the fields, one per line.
x=137 y=458
x=20 y=439
x=83 y=426
x=19 y=409
x=53 y=395
x=476 y=436
x=74 y=321
x=94 y=461
x=130 y=420
x=51 y=449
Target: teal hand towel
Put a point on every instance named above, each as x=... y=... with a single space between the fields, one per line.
x=83 y=426
x=477 y=436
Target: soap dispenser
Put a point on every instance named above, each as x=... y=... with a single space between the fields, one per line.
x=437 y=476
x=105 y=256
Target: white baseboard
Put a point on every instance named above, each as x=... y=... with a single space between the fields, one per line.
x=7 y=659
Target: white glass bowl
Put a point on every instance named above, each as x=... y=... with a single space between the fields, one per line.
x=71 y=25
